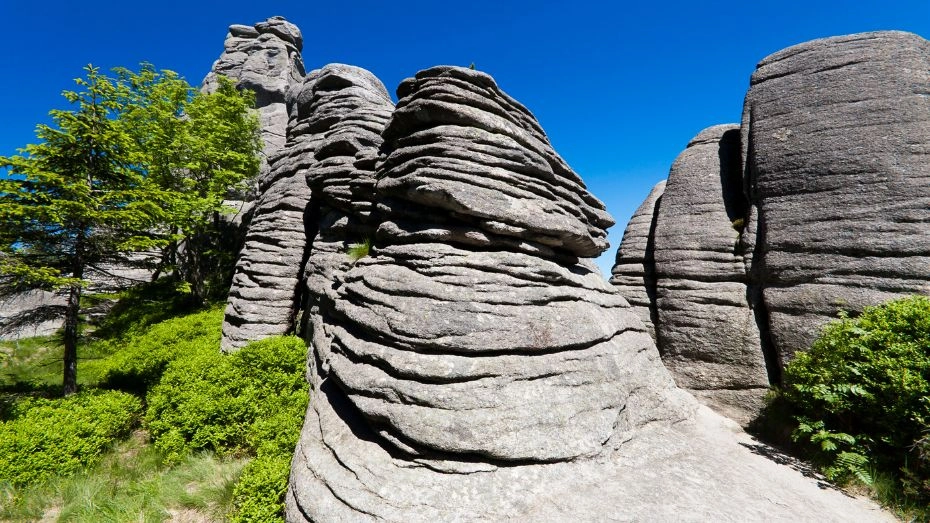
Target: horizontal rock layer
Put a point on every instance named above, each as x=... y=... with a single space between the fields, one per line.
x=263 y=297
x=706 y=331
x=830 y=211
x=475 y=366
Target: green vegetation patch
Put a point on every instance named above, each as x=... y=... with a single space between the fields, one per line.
x=46 y=437
x=131 y=483
x=861 y=399
x=251 y=402
x=143 y=356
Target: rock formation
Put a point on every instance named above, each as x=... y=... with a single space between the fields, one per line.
x=634 y=269
x=833 y=214
x=262 y=299
x=346 y=108
x=477 y=367
x=706 y=330
x=837 y=133
x=264 y=58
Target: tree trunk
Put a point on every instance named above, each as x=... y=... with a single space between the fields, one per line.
x=71 y=339
x=194 y=270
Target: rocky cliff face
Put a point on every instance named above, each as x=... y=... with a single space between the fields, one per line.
x=264 y=58
x=634 y=269
x=262 y=299
x=475 y=366
x=837 y=132
x=827 y=188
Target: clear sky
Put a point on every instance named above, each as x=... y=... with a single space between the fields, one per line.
x=619 y=87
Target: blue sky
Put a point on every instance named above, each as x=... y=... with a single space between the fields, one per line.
x=619 y=87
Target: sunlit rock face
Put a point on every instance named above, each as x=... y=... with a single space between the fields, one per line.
x=634 y=272
x=824 y=208
x=342 y=112
x=837 y=133
x=475 y=365
x=265 y=58
x=705 y=329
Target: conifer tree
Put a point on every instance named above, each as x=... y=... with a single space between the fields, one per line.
x=74 y=200
x=140 y=162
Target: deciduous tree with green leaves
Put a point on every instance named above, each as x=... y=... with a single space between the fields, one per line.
x=200 y=147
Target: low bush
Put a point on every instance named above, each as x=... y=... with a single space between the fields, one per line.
x=47 y=437
x=259 y=493
x=861 y=397
x=249 y=402
x=144 y=355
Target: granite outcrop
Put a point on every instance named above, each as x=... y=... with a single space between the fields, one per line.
x=819 y=202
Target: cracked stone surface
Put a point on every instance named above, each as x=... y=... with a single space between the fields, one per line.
x=832 y=200
x=263 y=296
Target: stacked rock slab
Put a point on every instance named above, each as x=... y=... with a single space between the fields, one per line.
x=477 y=367
x=263 y=296
x=346 y=108
x=633 y=272
x=837 y=133
x=264 y=58
x=706 y=330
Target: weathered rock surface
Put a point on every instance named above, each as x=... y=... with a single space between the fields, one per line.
x=837 y=133
x=264 y=58
x=633 y=272
x=31 y=313
x=346 y=108
x=263 y=298
x=477 y=367
x=706 y=331
x=834 y=138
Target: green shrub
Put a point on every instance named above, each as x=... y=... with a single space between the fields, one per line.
x=143 y=356
x=47 y=437
x=259 y=493
x=861 y=395
x=357 y=251
x=249 y=402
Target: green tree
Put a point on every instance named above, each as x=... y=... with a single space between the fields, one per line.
x=142 y=161
x=199 y=147
x=74 y=200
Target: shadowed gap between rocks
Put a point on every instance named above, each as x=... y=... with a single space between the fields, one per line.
x=649 y=274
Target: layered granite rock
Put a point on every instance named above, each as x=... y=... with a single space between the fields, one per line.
x=634 y=271
x=346 y=108
x=263 y=299
x=837 y=133
x=706 y=331
x=833 y=142
x=475 y=366
x=264 y=58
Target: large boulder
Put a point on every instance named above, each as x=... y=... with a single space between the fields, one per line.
x=837 y=133
x=634 y=270
x=264 y=58
x=263 y=298
x=706 y=331
x=832 y=217
x=347 y=108
x=475 y=366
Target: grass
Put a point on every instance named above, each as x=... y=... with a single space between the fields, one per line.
x=357 y=251
x=148 y=332
x=131 y=484
x=33 y=366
